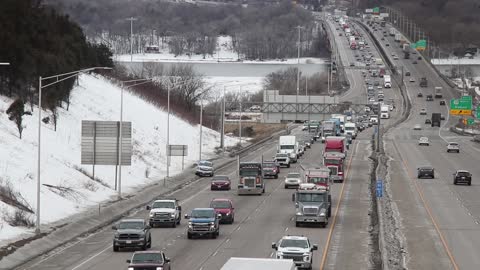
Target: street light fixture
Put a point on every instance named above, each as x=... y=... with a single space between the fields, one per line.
x=59 y=78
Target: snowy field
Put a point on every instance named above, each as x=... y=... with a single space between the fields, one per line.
x=71 y=190
x=224 y=53
x=456 y=61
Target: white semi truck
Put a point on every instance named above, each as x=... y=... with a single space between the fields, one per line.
x=288 y=145
x=384 y=111
x=235 y=263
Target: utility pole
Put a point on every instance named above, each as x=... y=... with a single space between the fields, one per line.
x=222 y=137
x=131 y=19
x=378 y=128
x=298 y=68
x=168 y=132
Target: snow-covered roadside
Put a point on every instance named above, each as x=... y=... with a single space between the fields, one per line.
x=71 y=190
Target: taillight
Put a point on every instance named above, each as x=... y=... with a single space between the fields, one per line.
x=258 y=180
x=241 y=180
x=340 y=173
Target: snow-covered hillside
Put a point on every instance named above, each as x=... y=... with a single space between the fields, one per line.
x=70 y=190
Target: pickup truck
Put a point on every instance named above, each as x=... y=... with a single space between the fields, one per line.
x=165 y=211
x=282 y=159
x=203 y=221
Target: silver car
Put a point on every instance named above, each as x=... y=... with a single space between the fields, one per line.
x=293 y=179
x=453 y=147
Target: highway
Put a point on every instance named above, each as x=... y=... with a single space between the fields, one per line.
x=440 y=221
x=259 y=221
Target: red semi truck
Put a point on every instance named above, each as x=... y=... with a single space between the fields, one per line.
x=336 y=144
x=320 y=176
x=335 y=162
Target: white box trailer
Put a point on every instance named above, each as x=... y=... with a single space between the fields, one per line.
x=235 y=263
x=387 y=81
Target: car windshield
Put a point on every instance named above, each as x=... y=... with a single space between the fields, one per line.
x=281 y=155
x=147 y=257
x=269 y=165
x=453 y=144
x=426 y=169
x=249 y=172
x=463 y=174
x=318 y=180
x=310 y=197
x=136 y=225
x=293 y=175
x=289 y=146
x=163 y=205
x=220 y=204
x=294 y=243
x=333 y=161
x=207 y=213
x=220 y=178
x=205 y=163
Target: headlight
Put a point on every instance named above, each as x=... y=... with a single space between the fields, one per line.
x=299 y=213
x=212 y=223
x=172 y=214
x=322 y=214
x=116 y=235
x=159 y=268
x=228 y=214
x=131 y=268
x=152 y=214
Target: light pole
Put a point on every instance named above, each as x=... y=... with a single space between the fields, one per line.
x=298 y=65
x=131 y=19
x=59 y=78
x=201 y=124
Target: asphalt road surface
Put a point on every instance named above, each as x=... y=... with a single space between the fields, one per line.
x=440 y=220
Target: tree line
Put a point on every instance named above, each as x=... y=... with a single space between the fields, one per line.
x=259 y=31
x=39 y=41
x=450 y=23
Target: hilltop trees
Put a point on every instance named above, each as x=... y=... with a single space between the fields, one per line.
x=38 y=41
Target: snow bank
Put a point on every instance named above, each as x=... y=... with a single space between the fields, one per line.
x=94 y=99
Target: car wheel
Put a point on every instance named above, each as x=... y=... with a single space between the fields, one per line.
x=189 y=235
x=145 y=245
x=297 y=224
x=115 y=248
x=458 y=151
x=233 y=220
x=213 y=235
x=448 y=151
x=179 y=219
x=174 y=224
x=469 y=183
x=454 y=182
x=152 y=225
x=276 y=176
x=149 y=243
x=263 y=191
x=433 y=176
x=286 y=187
x=329 y=214
x=288 y=166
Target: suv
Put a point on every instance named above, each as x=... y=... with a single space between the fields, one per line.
x=462 y=176
x=296 y=248
x=204 y=168
x=453 y=147
x=203 y=221
x=225 y=208
x=152 y=259
x=293 y=179
x=165 y=211
x=132 y=233
x=425 y=172
x=270 y=169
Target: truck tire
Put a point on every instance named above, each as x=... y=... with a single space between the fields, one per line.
x=174 y=224
x=179 y=219
x=152 y=225
x=329 y=212
x=214 y=235
x=189 y=235
x=288 y=165
x=470 y=182
x=297 y=224
x=276 y=176
x=149 y=245
x=115 y=248
x=454 y=181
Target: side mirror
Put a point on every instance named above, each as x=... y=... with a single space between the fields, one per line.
x=179 y=208
x=219 y=216
x=129 y=261
x=147 y=227
x=293 y=197
x=114 y=227
x=148 y=207
x=167 y=260
x=274 y=246
x=315 y=247
x=187 y=216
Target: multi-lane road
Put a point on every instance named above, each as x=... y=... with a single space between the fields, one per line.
x=440 y=221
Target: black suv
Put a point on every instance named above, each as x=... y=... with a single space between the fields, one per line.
x=131 y=233
x=425 y=172
x=149 y=260
x=429 y=98
x=462 y=176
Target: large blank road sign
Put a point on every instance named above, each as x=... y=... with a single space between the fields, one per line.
x=101 y=142
x=177 y=150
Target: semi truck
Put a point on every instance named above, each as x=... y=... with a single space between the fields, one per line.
x=423 y=82
x=351 y=128
x=335 y=163
x=319 y=176
x=392 y=31
x=387 y=81
x=237 y=263
x=250 y=178
x=398 y=37
x=336 y=144
x=288 y=145
x=438 y=92
x=384 y=111
x=313 y=205
x=436 y=119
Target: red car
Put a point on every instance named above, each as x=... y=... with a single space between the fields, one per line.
x=225 y=208
x=220 y=182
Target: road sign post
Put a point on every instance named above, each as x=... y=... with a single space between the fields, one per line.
x=379 y=188
x=478 y=112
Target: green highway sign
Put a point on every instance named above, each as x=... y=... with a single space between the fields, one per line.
x=470 y=121
x=464 y=103
x=376 y=10
x=421 y=45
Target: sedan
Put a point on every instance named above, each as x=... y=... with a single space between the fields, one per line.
x=386 y=44
x=412 y=79
x=428 y=121
x=453 y=147
x=420 y=94
x=204 y=168
x=415 y=62
x=442 y=102
x=423 y=141
x=423 y=111
x=407 y=73
x=220 y=182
